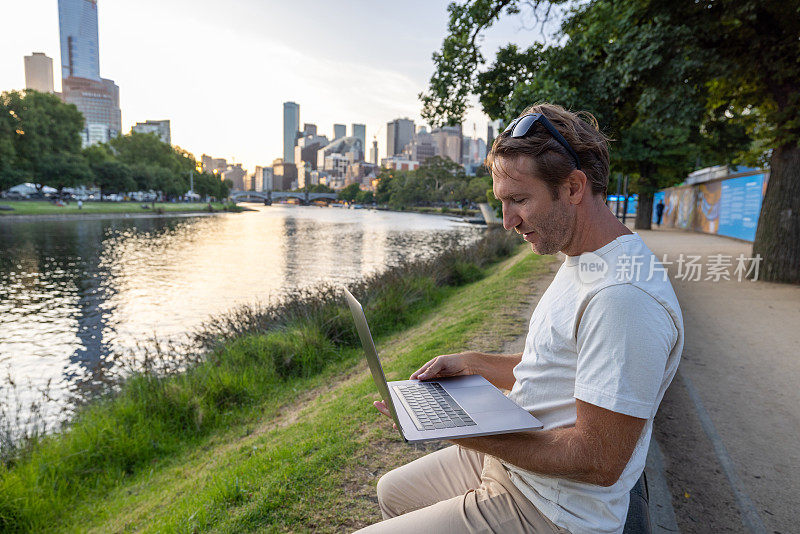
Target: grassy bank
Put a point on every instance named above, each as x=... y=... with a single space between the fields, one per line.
x=43 y=207
x=272 y=427
x=441 y=211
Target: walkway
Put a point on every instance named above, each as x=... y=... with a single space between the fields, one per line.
x=730 y=423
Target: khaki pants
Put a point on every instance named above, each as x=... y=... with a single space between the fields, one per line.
x=455 y=490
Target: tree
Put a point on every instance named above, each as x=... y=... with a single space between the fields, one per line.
x=45 y=134
x=348 y=194
x=672 y=81
x=112 y=176
x=365 y=197
x=62 y=169
x=8 y=154
x=383 y=190
x=154 y=164
x=755 y=47
x=224 y=189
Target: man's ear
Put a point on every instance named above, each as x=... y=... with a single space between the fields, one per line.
x=578 y=186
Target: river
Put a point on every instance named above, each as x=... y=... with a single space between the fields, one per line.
x=78 y=295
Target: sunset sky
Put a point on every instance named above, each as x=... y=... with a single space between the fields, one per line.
x=220 y=70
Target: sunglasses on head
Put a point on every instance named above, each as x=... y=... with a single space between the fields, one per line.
x=521 y=126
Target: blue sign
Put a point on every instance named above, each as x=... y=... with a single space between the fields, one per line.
x=740 y=206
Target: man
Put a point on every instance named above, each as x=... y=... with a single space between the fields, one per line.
x=603 y=345
x=659 y=212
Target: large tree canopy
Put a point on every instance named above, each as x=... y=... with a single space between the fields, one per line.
x=676 y=84
x=38 y=134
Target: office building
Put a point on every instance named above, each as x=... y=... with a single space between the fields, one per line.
x=360 y=131
x=80 y=51
x=422 y=146
x=236 y=174
x=373 y=152
x=307 y=148
x=335 y=157
x=39 y=72
x=96 y=98
x=399 y=163
x=284 y=175
x=309 y=129
x=160 y=128
x=448 y=142
x=398 y=134
x=213 y=165
x=291 y=129
x=303 y=173
x=473 y=154
x=98 y=101
x=339 y=131
x=263 y=176
x=361 y=173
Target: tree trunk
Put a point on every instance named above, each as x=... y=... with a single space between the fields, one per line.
x=644 y=210
x=778 y=233
x=648 y=184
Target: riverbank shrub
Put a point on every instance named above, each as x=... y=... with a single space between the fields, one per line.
x=235 y=364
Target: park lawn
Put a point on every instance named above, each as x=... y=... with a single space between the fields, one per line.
x=308 y=457
x=44 y=207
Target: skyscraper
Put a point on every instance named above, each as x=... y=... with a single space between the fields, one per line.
x=360 y=131
x=339 y=131
x=373 y=153
x=160 y=128
x=95 y=97
x=291 y=127
x=398 y=134
x=39 y=72
x=448 y=139
x=80 y=51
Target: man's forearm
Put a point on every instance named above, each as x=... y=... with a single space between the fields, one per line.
x=562 y=452
x=496 y=368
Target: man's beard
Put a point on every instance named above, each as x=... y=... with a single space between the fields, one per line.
x=554 y=231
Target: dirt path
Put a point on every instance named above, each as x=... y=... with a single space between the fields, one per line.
x=730 y=422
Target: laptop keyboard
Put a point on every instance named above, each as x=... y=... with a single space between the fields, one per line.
x=431 y=407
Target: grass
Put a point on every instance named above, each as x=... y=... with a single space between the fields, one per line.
x=44 y=207
x=272 y=427
x=441 y=210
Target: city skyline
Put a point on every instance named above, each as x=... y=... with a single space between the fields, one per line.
x=185 y=70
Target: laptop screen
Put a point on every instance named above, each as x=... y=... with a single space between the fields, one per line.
x=372 y=355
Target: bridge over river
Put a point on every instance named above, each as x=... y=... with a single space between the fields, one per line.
x=268 y=197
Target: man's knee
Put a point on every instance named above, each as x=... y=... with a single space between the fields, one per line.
x=390 y=490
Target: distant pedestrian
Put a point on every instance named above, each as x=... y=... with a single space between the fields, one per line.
x=659 y=212
x=80 y=204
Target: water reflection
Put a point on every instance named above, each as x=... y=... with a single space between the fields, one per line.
x=76 y=296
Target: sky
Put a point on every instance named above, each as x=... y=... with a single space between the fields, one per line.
x=221 y=70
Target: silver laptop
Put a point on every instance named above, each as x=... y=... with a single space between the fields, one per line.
x=443 y=408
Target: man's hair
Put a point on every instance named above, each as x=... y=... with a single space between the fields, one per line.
x=551 y=161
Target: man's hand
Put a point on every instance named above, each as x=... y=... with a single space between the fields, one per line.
x=445 y=365
x=381 y=406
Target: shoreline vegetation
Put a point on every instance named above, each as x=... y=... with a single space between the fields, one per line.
x=44 y=208
x=264 y=420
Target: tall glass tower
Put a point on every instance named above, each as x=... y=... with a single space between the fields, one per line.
x=80 y=54
x=291 y=126
x=96 y=98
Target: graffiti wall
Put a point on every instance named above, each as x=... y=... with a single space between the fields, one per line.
x=727 y=206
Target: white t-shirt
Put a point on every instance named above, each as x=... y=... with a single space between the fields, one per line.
x=608 y=331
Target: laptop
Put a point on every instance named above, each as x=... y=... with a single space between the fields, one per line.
x=441 y=408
